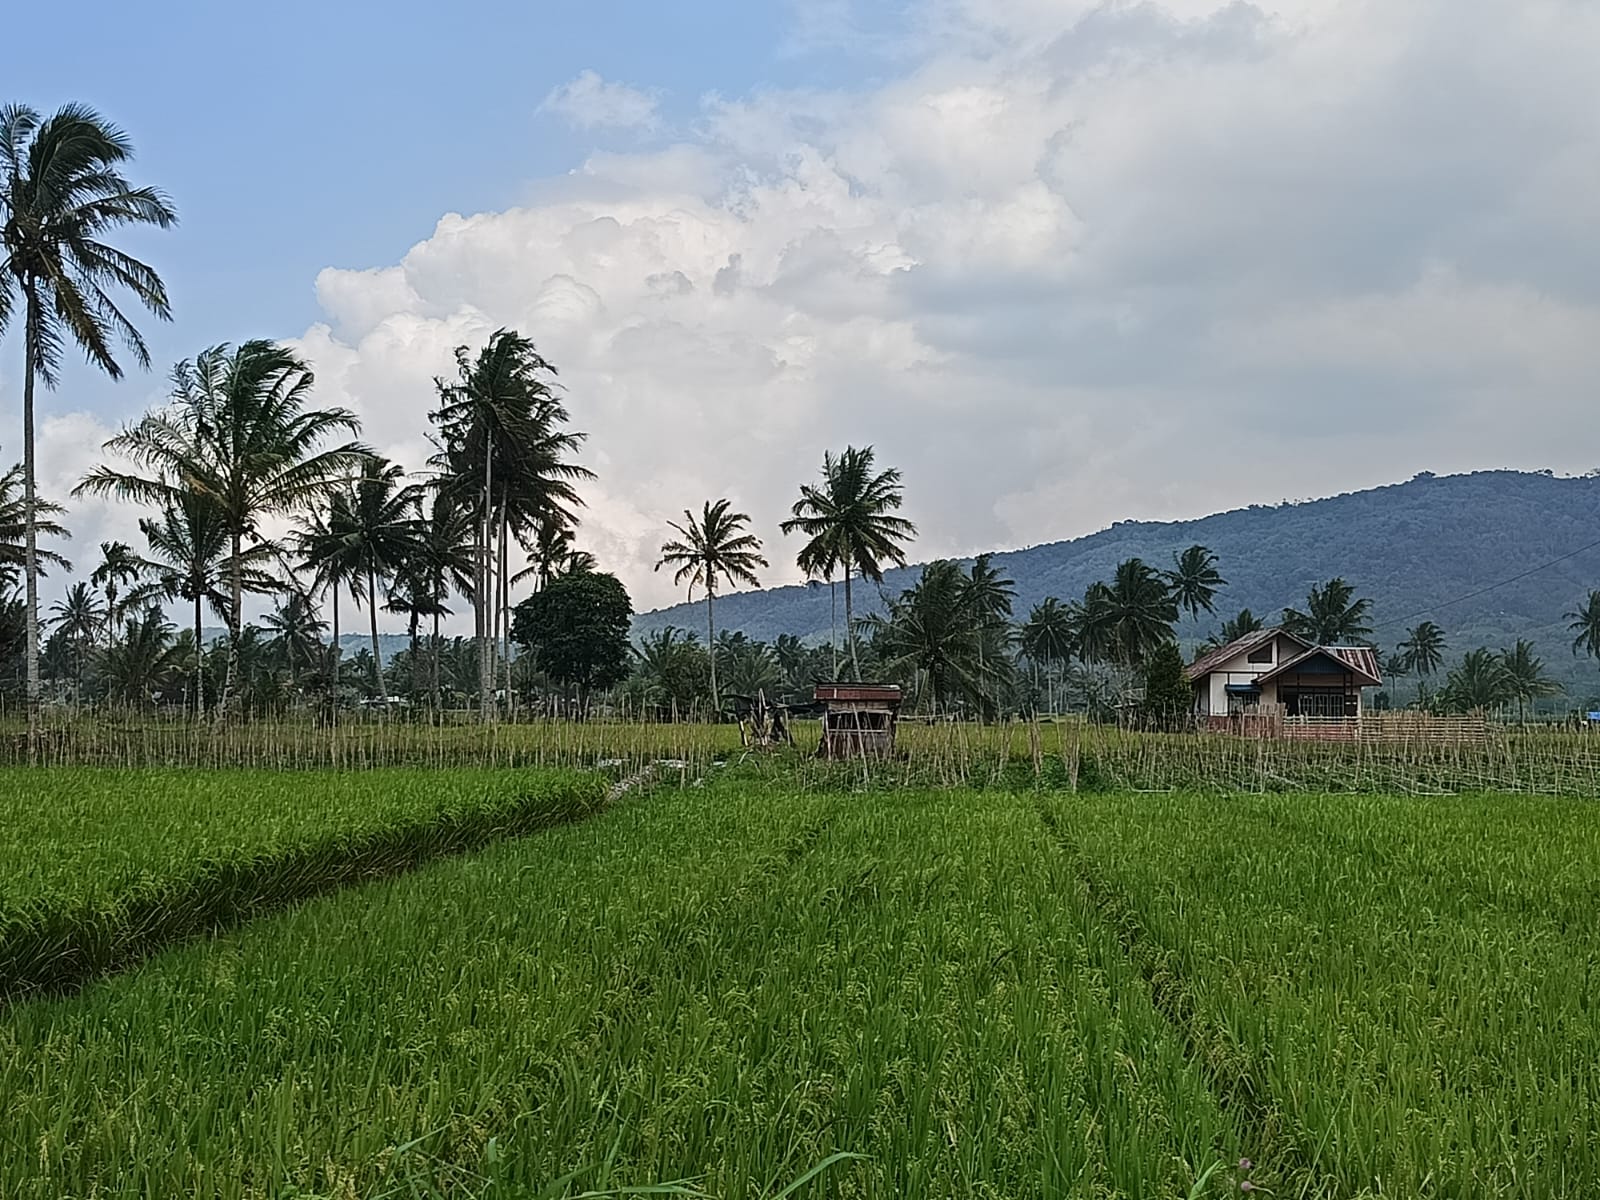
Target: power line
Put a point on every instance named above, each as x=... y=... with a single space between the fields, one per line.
x=1491 y=587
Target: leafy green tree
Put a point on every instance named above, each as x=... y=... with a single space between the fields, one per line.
x=441 y=564
x=1333 y=615
x=794 y=662
x=988 y=596
x=1127 y=620
x=746 y=666
x=850 y=525
x=578 y=626
x=1195 y=580
x=1585 y=626
x=708 y=551
x=1168 y=696
x=62 y=193
x=296 y=631
x=239 y=433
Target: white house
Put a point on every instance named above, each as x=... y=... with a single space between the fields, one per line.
x=1274 y=672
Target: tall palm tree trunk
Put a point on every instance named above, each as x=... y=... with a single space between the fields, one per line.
x=850 y=626
x=235 y=618
x=833 y=625
x=416 y=654
x=30 y=567
x=438 y=705
x=199 y=663
x=711 y=645
x=485 y=597
x=333 y=658
x=505 y=610
x=377 y=654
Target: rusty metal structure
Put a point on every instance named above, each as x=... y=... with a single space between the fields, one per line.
x=858 y=719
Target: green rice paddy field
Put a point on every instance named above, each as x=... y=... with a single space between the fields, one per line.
x=749 y=988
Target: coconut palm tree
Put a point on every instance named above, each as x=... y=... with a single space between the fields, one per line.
x=142 y=661
x=296 y=630
x=61 y=193
x=1526 y=680
x=1479 y=683
x=118 y=565
x=186 y=559
x=441 y=563
x=1049 y=638
x=79 y=617
x=383 y=535
x=506 y=457
x=1236 y=627
x=238 y=431
x=708 y=551
x=929 y=631
x=14 y=529
x=1126 y=620
x=1585 y=626
x=1423 y=652
x=1333 y=615
x=850 y=525
x=1194 y=580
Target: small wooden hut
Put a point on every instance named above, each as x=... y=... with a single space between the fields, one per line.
x=858 y=719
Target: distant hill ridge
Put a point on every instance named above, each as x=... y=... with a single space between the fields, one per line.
x=1418 y=549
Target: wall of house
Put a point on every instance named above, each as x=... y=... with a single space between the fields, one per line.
x=1212 y=698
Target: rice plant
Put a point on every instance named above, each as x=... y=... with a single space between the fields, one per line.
x=99 y=867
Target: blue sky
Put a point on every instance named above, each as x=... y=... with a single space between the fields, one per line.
x=1063 y=262
x=336 y=134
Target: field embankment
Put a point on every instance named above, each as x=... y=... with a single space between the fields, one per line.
x=101 y=867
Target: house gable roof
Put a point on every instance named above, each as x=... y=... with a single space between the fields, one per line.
x=1361 y=661
x=1207 y=663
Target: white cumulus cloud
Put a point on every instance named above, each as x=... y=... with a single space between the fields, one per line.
x=590 y=102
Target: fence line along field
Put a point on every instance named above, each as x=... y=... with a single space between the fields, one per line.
x=742 y=985
x=100 y=866
x=1071 y=753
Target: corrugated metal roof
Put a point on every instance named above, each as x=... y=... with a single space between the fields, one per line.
x=1208 y=663
x=881 y=693
x=1362 y=660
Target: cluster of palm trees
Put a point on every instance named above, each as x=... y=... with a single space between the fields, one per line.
x=851 y=524
x=258 y=492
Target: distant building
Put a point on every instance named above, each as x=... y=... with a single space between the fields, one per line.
x=858 y=719
x=1273 y=673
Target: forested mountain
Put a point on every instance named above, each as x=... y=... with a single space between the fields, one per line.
x=1419 y=549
